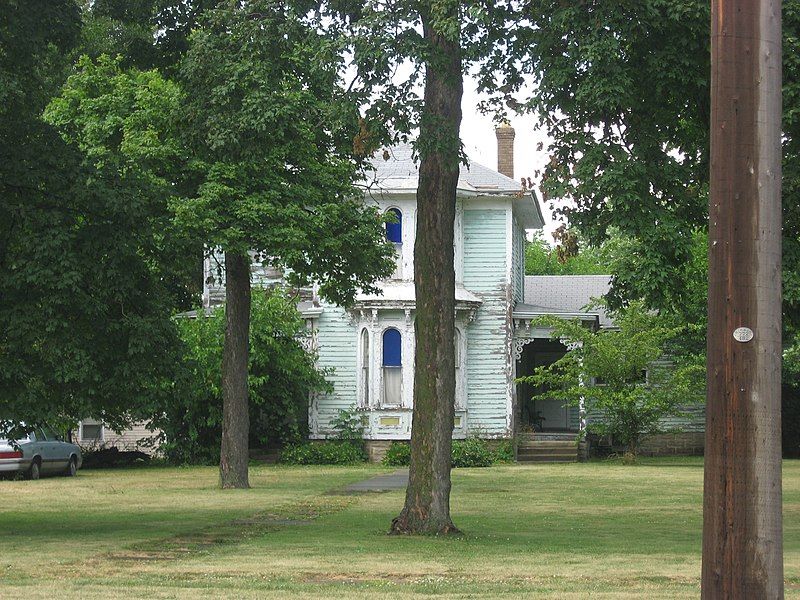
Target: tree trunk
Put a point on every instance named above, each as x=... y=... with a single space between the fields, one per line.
x=742 y=529
x=234 y=454
x=427 y=506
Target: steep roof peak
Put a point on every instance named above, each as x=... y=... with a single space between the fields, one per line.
x=397 y=170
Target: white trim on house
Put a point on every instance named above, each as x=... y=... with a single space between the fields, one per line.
x=509 y=283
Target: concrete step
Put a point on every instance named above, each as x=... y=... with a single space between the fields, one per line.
x=547 y=452
x=553 y=436
x=544 y=451
x=546 y=459
x=547 y=445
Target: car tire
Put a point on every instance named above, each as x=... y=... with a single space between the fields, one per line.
x=72 y=467
x=34 y=472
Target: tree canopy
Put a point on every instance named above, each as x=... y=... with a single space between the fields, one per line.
x=623 y=90
x=85 y=324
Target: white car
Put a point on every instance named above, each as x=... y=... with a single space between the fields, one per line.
x=40 y=452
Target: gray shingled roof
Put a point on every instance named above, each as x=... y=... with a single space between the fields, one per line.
x=401 y=171
x=565 y=294
x=399 y=174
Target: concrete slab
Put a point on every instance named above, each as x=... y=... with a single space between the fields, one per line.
x=382 y=483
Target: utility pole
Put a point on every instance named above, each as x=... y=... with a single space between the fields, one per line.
x=742 y=525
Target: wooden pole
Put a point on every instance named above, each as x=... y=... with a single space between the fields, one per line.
x=742 y=526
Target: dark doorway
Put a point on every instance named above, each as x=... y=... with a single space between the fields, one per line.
x=536 y=414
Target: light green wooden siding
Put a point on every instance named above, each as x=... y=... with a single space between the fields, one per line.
x=488 y=346
x=518 y=266
x=336 y=340
x=693 y=419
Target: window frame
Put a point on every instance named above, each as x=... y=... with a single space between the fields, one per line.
x=102 y=431
x=365 y=372
x=384 y=403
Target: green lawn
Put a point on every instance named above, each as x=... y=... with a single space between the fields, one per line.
x=600 y=530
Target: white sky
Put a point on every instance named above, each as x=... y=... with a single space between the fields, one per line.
x=480 y=143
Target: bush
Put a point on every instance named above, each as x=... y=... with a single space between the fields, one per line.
x=504 y=453
x=281 y=376
x=472 y=452
x=98 y=458
x=398 y=455
x=349 y=425
x=323 y=453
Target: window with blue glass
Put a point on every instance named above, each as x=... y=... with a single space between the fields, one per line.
x=392 y=368
x=394 y=227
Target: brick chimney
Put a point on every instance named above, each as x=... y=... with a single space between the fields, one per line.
x=505 y=150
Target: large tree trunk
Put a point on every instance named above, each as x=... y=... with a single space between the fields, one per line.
x=742 y=530
x=234 y=454
x=427 y=506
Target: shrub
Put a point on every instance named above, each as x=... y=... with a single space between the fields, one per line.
x=472 y=452
x=281 y=376
x=323 y=453
x=348 y=425
x=398 y=455
x=504 y=453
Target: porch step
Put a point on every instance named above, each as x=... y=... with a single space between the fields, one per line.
x=550 y=436
x=547 y=451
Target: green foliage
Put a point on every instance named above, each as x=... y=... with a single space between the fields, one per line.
x=543 y=259
x=504 y=452
x=397 y=455
x=623 y=90
x=349 y=425
x=324 y=453
x=119 y=117
x=269 y=128
x=281 y=377
x=84 y=321
x=636 y=384
x=472 y=452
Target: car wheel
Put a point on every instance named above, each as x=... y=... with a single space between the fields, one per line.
x=72 y=467
x=34 y=471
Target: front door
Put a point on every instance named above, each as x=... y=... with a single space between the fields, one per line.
x=536 y=413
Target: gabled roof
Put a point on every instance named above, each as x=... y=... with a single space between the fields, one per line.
x=565 y=295
x=396 y=172
x=401 y=173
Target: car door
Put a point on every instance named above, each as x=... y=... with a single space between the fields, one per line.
x=33 y=447
x=47 y=451
x=57 y=451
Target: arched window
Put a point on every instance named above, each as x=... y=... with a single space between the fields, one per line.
x=394 y=230
x=364 y=368
x=392 y=368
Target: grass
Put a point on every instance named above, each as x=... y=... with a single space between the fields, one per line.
x=601 y=530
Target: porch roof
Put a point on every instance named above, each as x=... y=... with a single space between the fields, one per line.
x=567 y=295
x=531 y=311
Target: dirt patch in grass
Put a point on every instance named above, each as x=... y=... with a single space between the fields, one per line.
x=229 y=533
